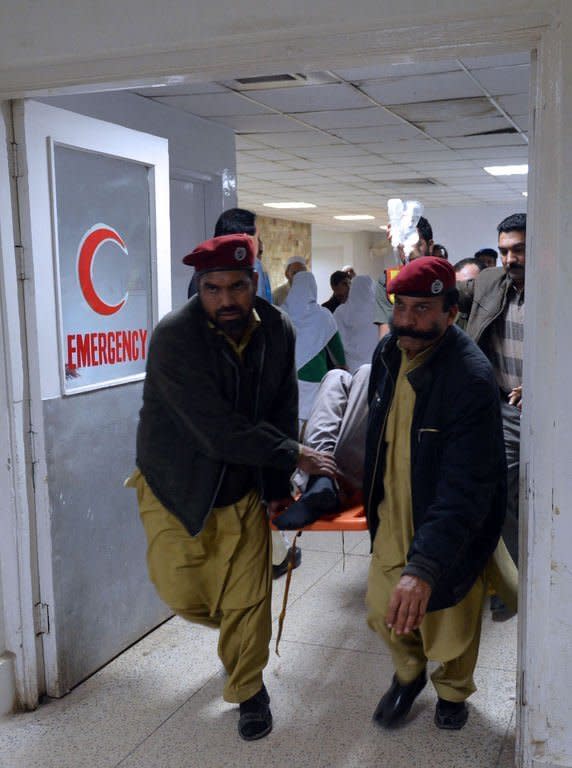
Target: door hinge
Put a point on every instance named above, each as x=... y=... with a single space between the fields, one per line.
x=20 y=263
x=42 y=618
x=14 y=159
x=520 y=689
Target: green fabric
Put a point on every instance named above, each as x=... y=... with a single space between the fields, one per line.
x=318 y=366
x=336 y=350
x=316 y=369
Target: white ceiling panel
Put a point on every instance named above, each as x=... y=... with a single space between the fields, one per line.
x=276 y=155
x=190 y=89
x=407 y=90
x=337 y=152
x=295 y=139
x=350 y=118
x=246 y=143
x=515 y=104
x=326 y=144
x=214 y=105
x=451 y=109
x=468 y=126
x=403 y=146
x=380 y=71
x=492 y=140
x=267 y=123
x=377 y=133
x=309 y=98
x=503 y=60
x=494 y=155
x=503 y=80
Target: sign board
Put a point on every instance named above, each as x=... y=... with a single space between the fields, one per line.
x=103 y=267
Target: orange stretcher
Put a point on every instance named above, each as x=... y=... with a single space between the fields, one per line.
x=351 y=519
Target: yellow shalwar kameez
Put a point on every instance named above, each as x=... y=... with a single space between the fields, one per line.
x=449 y=636
x=221 y=578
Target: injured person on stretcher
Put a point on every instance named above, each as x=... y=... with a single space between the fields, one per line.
x=337 y=425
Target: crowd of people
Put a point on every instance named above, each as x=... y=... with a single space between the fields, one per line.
x=407 y=393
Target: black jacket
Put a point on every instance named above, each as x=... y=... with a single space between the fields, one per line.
x=189 y=427
x=458 y=470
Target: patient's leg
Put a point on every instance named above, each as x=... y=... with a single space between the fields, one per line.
x=337 y=424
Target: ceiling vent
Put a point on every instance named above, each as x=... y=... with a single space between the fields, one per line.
x=284 y=80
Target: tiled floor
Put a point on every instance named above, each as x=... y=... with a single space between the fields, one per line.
x=159 y=705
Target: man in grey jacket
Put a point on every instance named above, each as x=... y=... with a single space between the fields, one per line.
x=217 y=435
x=495 y=303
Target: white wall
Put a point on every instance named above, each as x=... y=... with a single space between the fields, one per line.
x=332 y=249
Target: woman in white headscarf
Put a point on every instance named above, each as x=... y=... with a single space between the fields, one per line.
x=318 y=344
x=355 y=323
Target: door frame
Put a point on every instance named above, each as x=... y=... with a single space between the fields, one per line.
x=17 y=544
x=33 y=124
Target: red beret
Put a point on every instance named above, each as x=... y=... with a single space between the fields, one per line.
x=426 y=276
x=225 y=252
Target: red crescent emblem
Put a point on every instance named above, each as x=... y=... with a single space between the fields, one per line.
x=93 y=239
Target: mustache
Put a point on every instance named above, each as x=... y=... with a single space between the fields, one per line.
x=404 y=330
x=228 y=311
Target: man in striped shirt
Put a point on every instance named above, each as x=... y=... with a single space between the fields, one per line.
x=495 y=303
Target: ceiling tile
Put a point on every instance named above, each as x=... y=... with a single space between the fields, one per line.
x=267 y=123
x=504 y=60
x=406 y=90
x=378 y=133
x=403 y=146
x=265 y=153
x=190 y=89
x=309 y=98
x=503 y=80
x=465 y=127
x=243 y=142
x=336 y=152
x=494 y=155
x=214 y=105
x=492 y=140
x=298 y=139
x=515 y=104
x=350 y=118
x=378 y=71
x=451 y=109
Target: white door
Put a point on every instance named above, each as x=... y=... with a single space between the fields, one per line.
x=94 y=202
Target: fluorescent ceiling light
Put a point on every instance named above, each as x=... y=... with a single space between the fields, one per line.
x=289 y=205
x=355 y=217
x=384 y=227
x=507 y=170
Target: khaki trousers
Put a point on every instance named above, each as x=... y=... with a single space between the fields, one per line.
x=220 y=578
x=450 y=636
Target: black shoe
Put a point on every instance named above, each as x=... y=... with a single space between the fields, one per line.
x=282 y=568
x=451 y=715
x=320 y=497
x=255 y=719
x=499 y=611
x=396 y=702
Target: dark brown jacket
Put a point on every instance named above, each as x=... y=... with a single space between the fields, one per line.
x=190 y=429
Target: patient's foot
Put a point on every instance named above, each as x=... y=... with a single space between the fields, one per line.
x=320 y=497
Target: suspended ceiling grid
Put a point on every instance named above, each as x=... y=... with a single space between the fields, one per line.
x=349 y=139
